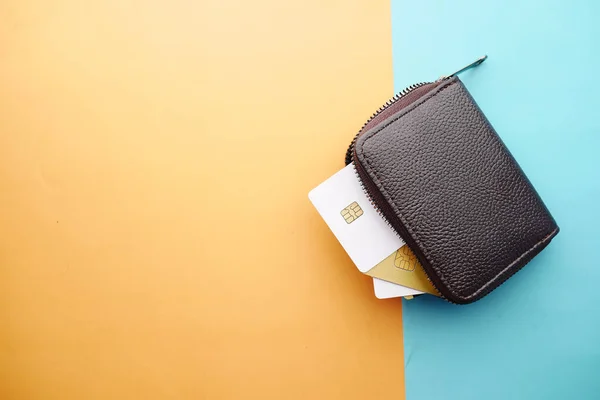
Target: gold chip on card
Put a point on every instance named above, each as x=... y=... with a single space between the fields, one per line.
x=405 y=259
x=352 y=212
x=403 y=268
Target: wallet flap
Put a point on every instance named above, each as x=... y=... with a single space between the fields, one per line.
x=464 y=205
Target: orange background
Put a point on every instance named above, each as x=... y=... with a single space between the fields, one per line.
x=156 y=240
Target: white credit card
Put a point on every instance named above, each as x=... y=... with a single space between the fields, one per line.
x=361 y=231
x=387 y=290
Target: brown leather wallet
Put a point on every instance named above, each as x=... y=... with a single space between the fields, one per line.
x=441 y=177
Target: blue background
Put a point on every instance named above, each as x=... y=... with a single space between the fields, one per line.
x=538 y=335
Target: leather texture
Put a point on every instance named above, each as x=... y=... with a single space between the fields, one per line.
x=462 y=202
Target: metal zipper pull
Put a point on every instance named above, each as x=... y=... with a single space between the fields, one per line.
x=463 y=69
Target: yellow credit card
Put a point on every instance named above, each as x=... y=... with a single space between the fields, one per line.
x=403 y=268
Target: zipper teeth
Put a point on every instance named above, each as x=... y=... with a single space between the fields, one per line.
x=381 y=109
x=378 y=209
x=375 y=206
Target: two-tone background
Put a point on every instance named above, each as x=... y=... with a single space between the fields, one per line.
x=156 y=240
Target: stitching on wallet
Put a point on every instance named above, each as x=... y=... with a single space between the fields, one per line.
x=410 y=230
x=544 y=240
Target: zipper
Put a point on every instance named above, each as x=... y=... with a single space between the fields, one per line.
x=392 y=106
